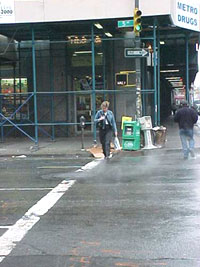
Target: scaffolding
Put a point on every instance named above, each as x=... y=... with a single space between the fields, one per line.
x=51 y=98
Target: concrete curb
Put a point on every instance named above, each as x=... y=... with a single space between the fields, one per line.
x=75 y=154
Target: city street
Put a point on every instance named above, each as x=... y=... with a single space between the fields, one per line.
x=83 y=79
x=137 y=209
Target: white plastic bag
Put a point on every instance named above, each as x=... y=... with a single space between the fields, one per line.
x=197 y=127
x=116 y=143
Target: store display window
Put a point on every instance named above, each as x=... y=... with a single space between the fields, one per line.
x=14 y=94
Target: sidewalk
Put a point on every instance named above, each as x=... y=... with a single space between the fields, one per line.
x=173 y=140
x=61 y=146
x=72 y=145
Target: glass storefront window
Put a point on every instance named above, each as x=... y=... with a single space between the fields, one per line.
x=11 y=101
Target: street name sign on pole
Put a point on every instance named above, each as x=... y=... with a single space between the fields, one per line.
x=125 y=23
x=136 y=52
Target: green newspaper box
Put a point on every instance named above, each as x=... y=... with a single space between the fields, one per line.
x=131 y=135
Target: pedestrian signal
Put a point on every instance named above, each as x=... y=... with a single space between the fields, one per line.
x=137 y=21
x=121 y=79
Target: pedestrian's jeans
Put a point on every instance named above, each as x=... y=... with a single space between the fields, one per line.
x=105 y=137
x=186 y=136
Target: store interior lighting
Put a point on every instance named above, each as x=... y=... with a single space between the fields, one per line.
x=83 y=52
x=98 y=25
x=165 y=71
x=172 y=78
x=108 y=34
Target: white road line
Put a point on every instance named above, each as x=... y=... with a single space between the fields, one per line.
x=26 y=189
x=90 y=165
x=15 y=233
x=5 y=227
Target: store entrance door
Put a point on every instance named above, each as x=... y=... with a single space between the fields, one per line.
x=83 y=103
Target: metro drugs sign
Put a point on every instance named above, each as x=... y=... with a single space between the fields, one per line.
x=186 y=14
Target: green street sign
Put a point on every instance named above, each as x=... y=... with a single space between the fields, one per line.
x=125 y=23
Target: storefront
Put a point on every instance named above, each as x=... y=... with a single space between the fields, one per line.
x=64 y=67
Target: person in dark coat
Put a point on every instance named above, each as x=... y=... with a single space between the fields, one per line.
x=186 y=117
x=107 y=126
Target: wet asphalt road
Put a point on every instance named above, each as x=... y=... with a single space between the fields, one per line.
x=131 y=211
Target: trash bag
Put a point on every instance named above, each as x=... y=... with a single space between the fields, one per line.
x=116 y=143
x=160 y=136
x=197 y=127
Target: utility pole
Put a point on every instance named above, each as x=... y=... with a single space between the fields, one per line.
x=138 y=72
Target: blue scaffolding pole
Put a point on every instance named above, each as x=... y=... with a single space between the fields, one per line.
x=155 y=74
x=187 y=67
x=93 y=85
x=34 y=87
x=52 y=97
x=158 y=77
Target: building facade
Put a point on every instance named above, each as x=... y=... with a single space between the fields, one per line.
x=59 y=60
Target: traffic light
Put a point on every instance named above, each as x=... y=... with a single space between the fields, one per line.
x=137 y=21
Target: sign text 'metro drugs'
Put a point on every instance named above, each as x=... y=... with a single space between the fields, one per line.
x=189 y=13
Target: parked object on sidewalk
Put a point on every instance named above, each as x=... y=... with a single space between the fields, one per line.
x=186 y=118
x=125 y=118
x=160 y=134
x=97 y=151
x=131 y=135
x=82 y=125
x=107 y=125
x=146 y=127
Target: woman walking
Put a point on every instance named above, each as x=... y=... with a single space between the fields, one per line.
x=107 y=125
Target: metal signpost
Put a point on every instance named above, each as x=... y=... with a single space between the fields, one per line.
x=135 y=52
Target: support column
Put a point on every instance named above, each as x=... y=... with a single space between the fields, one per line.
x=34 y=87
x=20 y=78
x=158 y=77
x=114 y=85
x=93 y=86
x=187 y=67
x=143 y=82
x=52 y=95
x=155 y=74
x=104 y=70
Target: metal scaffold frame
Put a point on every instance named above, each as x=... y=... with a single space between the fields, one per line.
x=8 y=121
